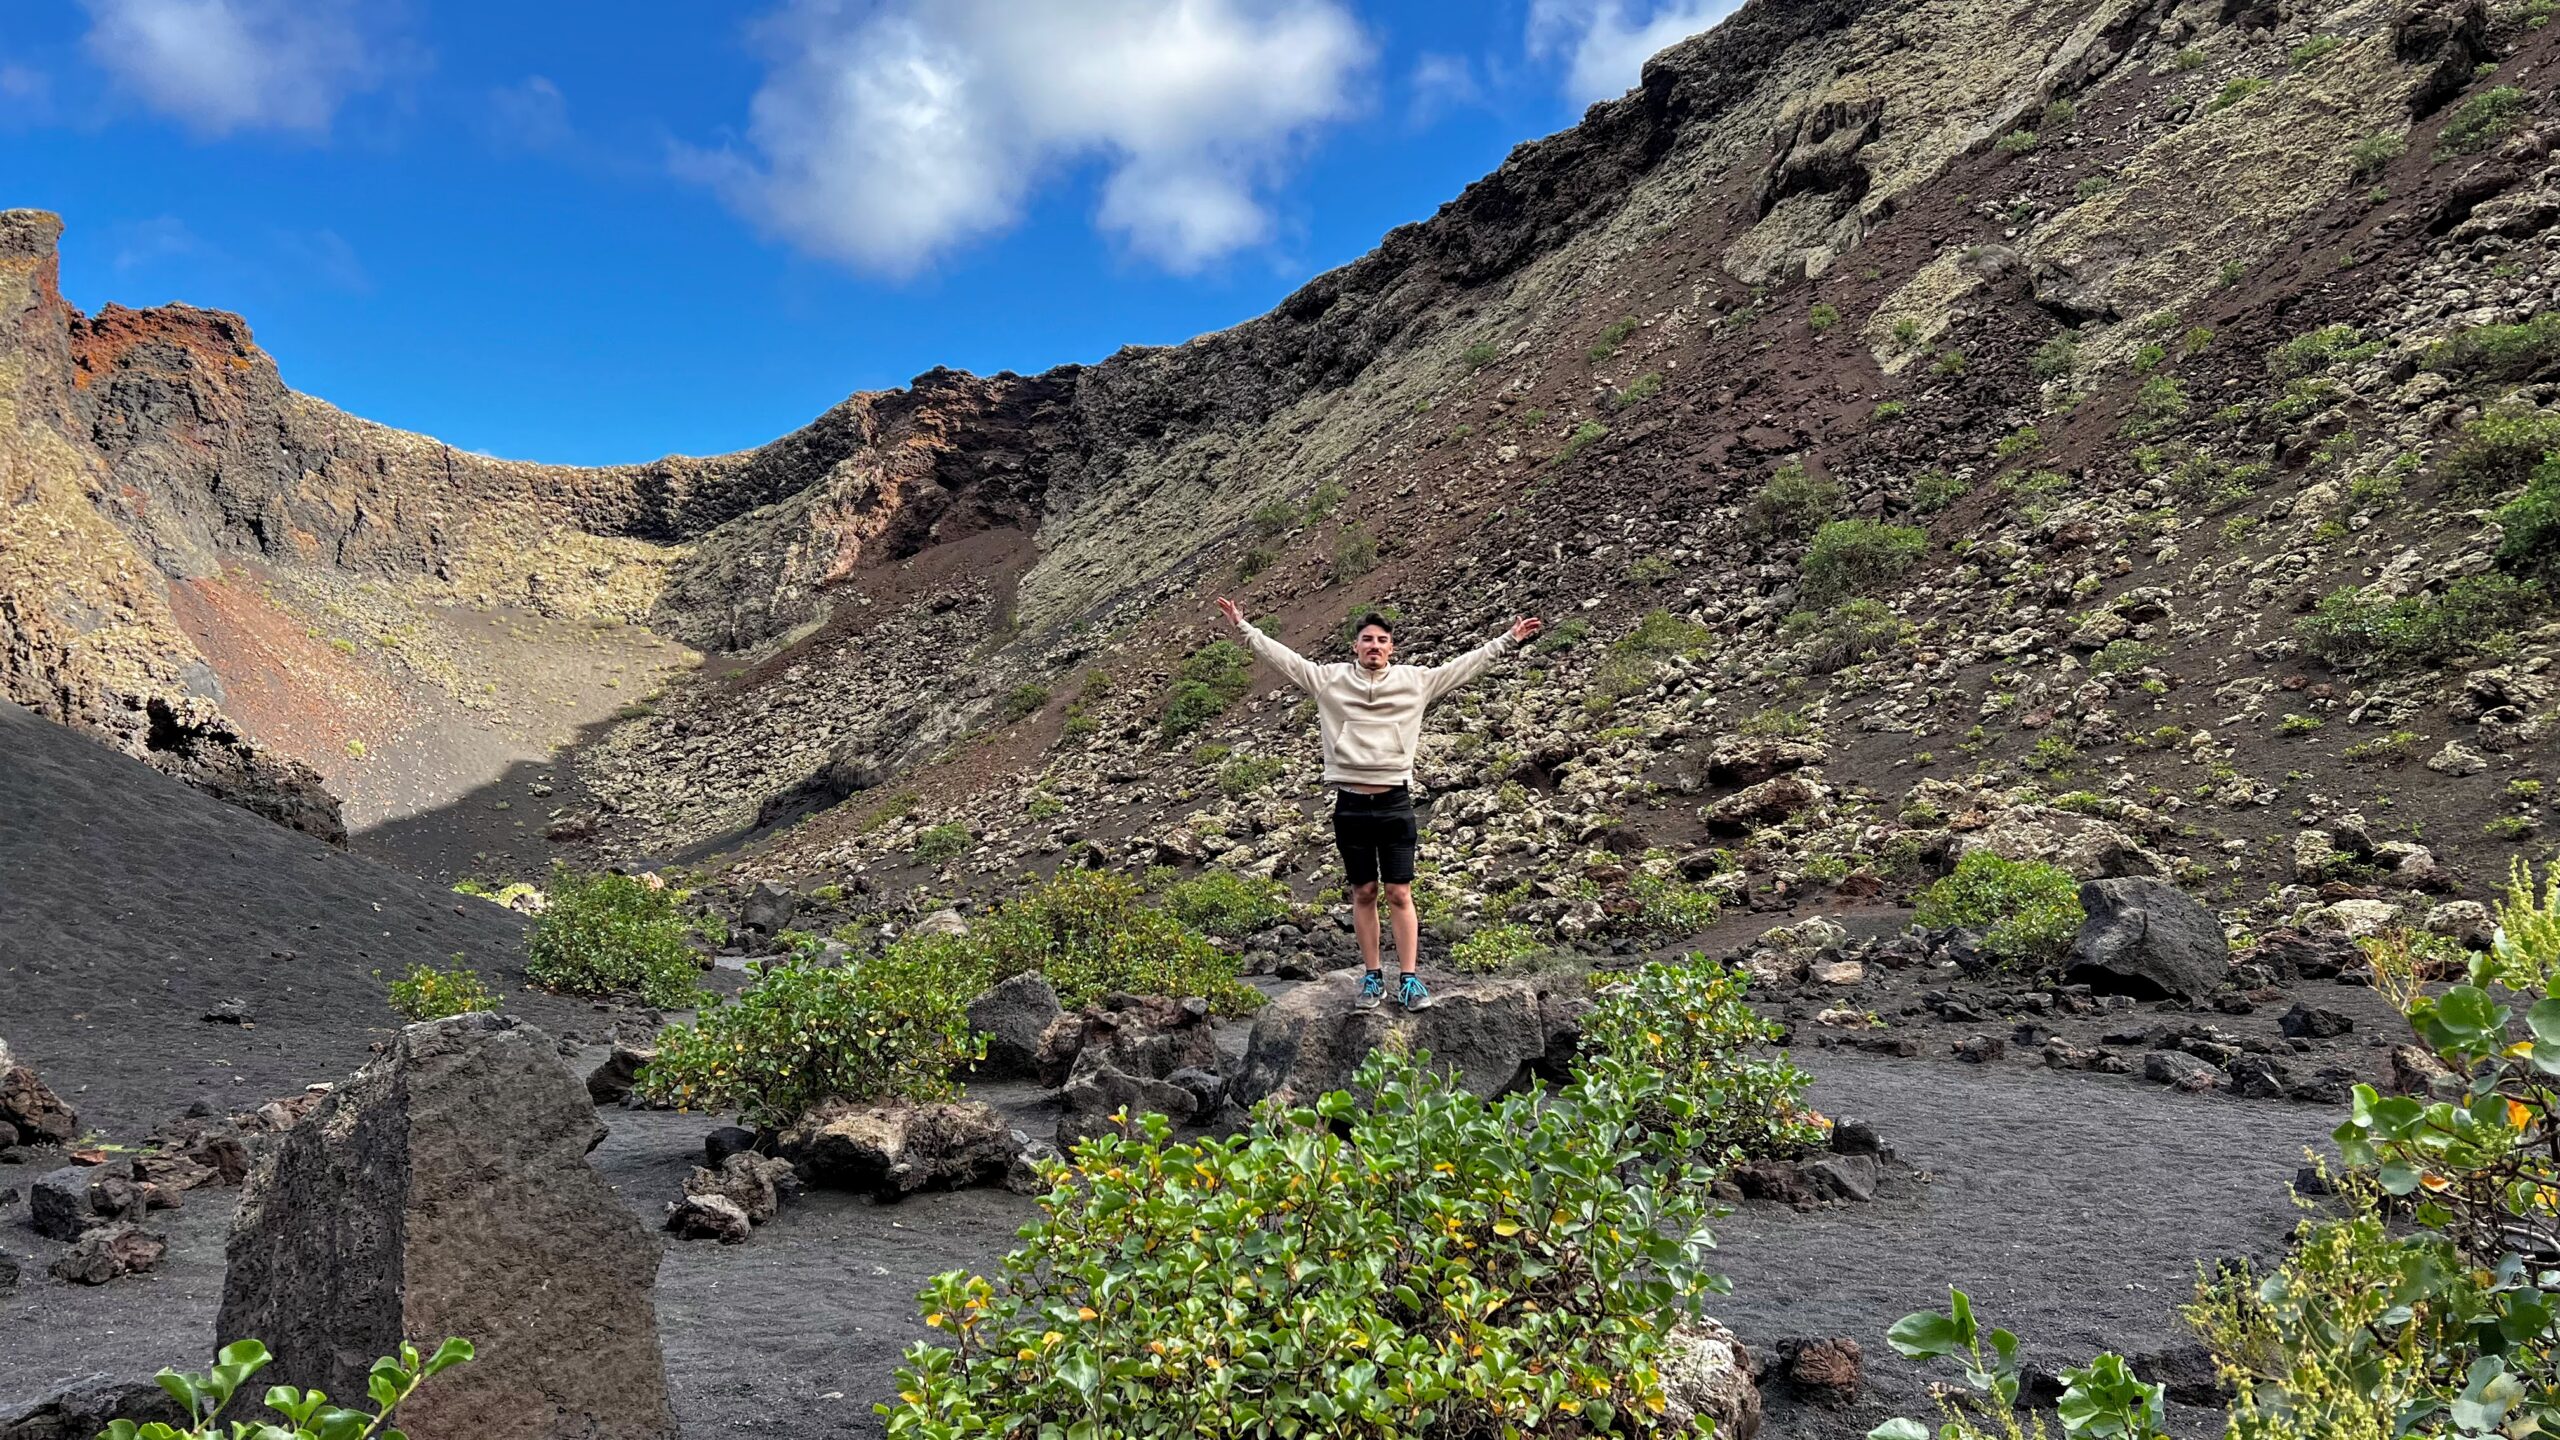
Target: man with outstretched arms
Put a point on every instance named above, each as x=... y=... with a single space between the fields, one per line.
x=1369 y=713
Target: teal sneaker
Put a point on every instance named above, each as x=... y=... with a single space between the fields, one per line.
x=1413 y=994
x=1373 y=988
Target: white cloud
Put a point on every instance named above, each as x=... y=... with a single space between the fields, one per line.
x=1442 y=83
x=1605 y=42
x=531 y=114
x=225 y=65
x=139 y=244
x=886 y=133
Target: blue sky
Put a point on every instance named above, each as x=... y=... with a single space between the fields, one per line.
x=583 y=232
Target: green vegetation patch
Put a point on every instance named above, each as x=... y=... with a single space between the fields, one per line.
x=611 y=934
x=427 y=993
x=2352 y=629
x=1793 y=502
x=2510 y=353
x=2483 y=121
x=2027 y=911
x=1210 y=680
x=1859 y=557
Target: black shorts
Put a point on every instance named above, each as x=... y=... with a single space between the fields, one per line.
x=1377 y=835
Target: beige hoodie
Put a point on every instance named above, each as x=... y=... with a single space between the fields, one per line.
x=1371 y=724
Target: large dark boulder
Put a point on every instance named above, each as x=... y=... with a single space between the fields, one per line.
x=1492 y=1034
x=768 y=909
x=1013 y=1014
x=2149 y=939
x=1151 y=1035
x=446 y=1191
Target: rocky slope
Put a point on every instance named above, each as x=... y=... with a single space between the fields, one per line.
x=2034 y=279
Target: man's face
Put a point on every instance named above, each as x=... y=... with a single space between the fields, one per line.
x=1375 y=647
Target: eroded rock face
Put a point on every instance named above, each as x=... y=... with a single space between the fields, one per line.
x=1490 y=1033
x=30 y=1107
x=446 y=1191
x=1706 y=1375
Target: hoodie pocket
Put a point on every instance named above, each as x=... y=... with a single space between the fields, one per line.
x=1371 y=745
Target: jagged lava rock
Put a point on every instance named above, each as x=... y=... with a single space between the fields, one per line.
x=1490 y=1033
x=446 y=1191
x=891 y=1151
x=2149 y=939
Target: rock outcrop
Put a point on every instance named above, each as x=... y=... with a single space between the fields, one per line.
x=446 y=1191
x=1491 y=1034
x=2149 y=939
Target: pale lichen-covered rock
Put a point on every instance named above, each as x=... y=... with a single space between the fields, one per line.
x=1707 y=1375
x=892 y=1150
x=1490 y=1034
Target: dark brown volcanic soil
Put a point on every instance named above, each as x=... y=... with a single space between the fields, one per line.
x=133 y=904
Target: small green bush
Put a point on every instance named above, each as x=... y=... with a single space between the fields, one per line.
x=2483 y=120
x=1935 y=490
x=1611 y=338
x=1226 y=904
x=1355 y=553
x=1637 y=655
x=2528 y=351
x=610 y=934
x=1480 y=354
x=2091 y=187
x=2025 y=440
x=2026 y=910
x=2018 y=142
x=2477 y=614
x=1024 y=701
x=1560 y=637
x=2240 y=88
x=2529 y=526
x=1211 y=679
x=1668 y=908
x=307 y=1414
x=1822 y=317
x=1644 y=387
x=2371 y=156
x=2314 y=50
x=2499 y=451
x=1906 y=333
x=2117 y=656
x=1858 y=557
x=2157 y=407
x=1493 y=948
x=1246 y=774
x=1824 y=642
x=1584 y=436
x=1685 y=1024
x=1793 y=502
x=2055 y=358
x=943 y=842
x=889 y=1026
x=427 y=993
x=1274 y=518
x=1328 y=497
x=2320 y=350
x=1091 y=933
x=2059 y=115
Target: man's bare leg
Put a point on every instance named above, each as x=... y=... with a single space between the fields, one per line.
x=1408 y=928
x=1364 y=921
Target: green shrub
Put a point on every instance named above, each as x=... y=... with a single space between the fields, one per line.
x=889 y=1026
x=2475 y=615
x=1274 y=518
x=2091 y=187
x=2059 y=115
x=2023 y=441
x=943 y=842
x=1668 y=908
x=2528 y=351
x=2157 y=407
x=1613 y=337
x=2027 y=911
x=1935 y=490
x=1247 y=773
x=1644 y=387
x=1226 y=904
x=2117 y=656
x=1793 y=502
x=2499 y=451
x=2205 y=480
x=2314 y=50
x=610 y=934
x=2240 y=88
x=308 y=1415
x=1091 y=933
x=1824 y=642
x=1492 y=948
x=2055 y=358
x=1584 y=436
x=2102 y=1400
x=427 y=993
x=1950 y=363
x=1400 y=1255
x=1214 y=677
x=2483 y=120
x=1560 y=637
x=2322 y=349
x=1856 y=557
x=1328 y=497
x=1480 y=354
x=1355 y=553
x=1024 y=701
x=1650 y=570
x=1637 y=655
x=1891 y=410
x=2529 y=529
x=2017 y=142
x=1678 y=1034
x=1906 y=332
x=2371 y=156
x=1822 y=317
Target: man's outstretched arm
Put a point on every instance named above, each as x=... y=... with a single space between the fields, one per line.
x=1441 y=679
x=1300 y=670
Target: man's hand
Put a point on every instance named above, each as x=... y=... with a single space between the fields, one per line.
x=1228 y=608
x=1522 y=629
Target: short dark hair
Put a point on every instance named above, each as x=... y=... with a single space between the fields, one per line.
x=1373 y=618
